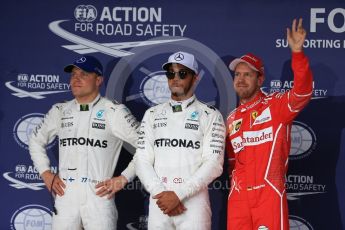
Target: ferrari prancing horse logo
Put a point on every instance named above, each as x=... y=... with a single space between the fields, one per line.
x=254 y=115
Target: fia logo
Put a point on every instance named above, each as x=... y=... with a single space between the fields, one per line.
x=85 y=13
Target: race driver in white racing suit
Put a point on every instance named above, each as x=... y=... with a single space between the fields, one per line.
x=91 y=130
x=180 y=152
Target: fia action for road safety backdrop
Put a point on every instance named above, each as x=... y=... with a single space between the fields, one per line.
x=133 y=38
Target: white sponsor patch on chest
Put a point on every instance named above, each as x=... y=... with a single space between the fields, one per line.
x=252 y=138
x=257 y=137
x=237 y=144
x=235 y=126
x=265 y=116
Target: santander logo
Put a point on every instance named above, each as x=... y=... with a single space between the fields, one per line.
x=251 y=138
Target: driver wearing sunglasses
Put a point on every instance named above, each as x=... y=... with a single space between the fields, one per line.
x=180 y=151
x=182 y=73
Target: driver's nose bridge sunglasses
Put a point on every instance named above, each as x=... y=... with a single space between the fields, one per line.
x=182 y=74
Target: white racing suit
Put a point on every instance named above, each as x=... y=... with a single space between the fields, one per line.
x=90 y=142
x=180 y=149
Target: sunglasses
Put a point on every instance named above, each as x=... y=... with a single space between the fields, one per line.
x=182 y=74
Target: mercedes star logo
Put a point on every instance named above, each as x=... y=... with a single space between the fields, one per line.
x=179 y=57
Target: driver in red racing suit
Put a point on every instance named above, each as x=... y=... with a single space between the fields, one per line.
x=258 y=139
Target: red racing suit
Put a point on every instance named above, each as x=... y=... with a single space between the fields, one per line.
x=258 y=145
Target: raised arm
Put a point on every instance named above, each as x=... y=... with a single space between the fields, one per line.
x=296 y=35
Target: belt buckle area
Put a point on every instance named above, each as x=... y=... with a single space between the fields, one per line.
x=250 y=188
